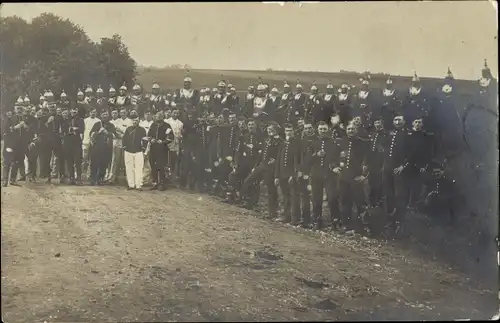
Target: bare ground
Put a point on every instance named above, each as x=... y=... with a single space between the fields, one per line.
x=107 y=254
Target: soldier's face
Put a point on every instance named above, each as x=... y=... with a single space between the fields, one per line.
x=74 y=112
x=335 y=120
x=329 y=90
x=298 y=89
x=241 y=124
x=155 y=91
x=9 y=114
x=286 y=89
x=232 y=119
x=135 y=122
x=300 y=123
x=112 y=94
x=176 y=114
x=93 y=113
x=271 y=132
x=322 y=130
x=148 y=116
x=308 y=129
x=187 y=85
x=104 y=116
x=289 y=132
x=398 y=121
x=123 y=92
x=65 y=114
x=39 y=114
x=378 y=125
x=114 y=114
x=417 y=124
x=58 y=111
x=79 y=97
x=356 y=121
x=17 y=110
x=252 y=126
x=160 y=116
x=123 y=114
x=168 y=114
x=351 y=130
x=261 y=93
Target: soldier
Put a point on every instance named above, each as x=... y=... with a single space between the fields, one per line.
x=261 y=104
x=233 y=101
x=138 y=100
x=52 y=145
x=286 y=171
x=133 y=152
x=284 y=104
x=375 y=159
x=101 y=103
x=219 y=98
x=337 y=129
x=307 y=137
x=274 y=103
x=329 y=103
x=89 y=123
x=264 y=170
x=444 y=121
x=439 y=194
x=204 y=103
x=82 y=105
x=344 y=104
x=420 y=144
x=320 y=163
x=314 y=107
x=188 y=162
x=394 y=174
x=34 y=148
x=201 y=153
x=363 y=106
x=112 y=98
x=102 y=134
x=160 y=135
x=116 y=165
x=72 y=129
x=186 y=98
x=89 y=96
x=228 y=141
x=297 y=109
x=247 y=107
x=416 y=105
x=391 y=104
x=41 y=101
x=64 y=101
x=176 y=124
x=123 y=99
x=245 y=158
x=156 y=100
x=15 y=132
x=353 y=179
x=215 y=155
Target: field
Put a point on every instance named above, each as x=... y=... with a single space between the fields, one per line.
x=99 y=254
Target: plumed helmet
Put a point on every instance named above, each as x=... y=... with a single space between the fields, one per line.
x=389 y=80
x=26 y=99
x=136 y=87
x=80 y=93
x=20 y=100
x=261 y=87
x=155 y=85
x=99 y=90
x=188 y=79
x=123 y=87
x=111 y=89
x=89 y=89
x=63 y=94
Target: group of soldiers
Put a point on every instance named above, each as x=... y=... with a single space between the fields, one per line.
x=355 y=148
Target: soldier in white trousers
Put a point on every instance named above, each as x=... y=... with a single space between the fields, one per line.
x=132 y=143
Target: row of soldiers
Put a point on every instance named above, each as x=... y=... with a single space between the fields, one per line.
x=362 y=153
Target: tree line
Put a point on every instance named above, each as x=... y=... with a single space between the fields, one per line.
x=54 y=53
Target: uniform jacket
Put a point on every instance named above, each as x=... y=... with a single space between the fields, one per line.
x=319 y=167
x=132 y=139
x=288 y=161
x=355 y=150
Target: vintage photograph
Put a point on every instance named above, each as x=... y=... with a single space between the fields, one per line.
x=249 y=161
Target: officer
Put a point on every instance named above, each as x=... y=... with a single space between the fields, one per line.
x=329 y=103
x=315 y=108
x=375 y=159
x=344 y=104
x=307 y=137
x=298 y=105
x=101 y=136
x=391 y=104
x=72 y=129
x=286 y=171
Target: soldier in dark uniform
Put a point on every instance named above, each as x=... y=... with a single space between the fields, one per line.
x=215 y=157
x=101 y=150
x=315 y=108
x=64 y=101
x=344 y=105
x=439 y=194
x=321 y=162
x=15 y=132
x=245 y=159
x=52 y=144
x=391 y=105
x=298 y=106
x=375 y=161
x=353 y=178
x=123 y=99
x=416 y=104
x=72 y=129
x=337 y=129
x=329 y=103
x=364 y=107
x=247 y=107
x=36 y=125
x=286 y=171
x=233 y=101
x=420 y=144
x=90 y=97
x=112 y=98
x=285 y=103
x=307 y=137
x=138 y=101
x=229 y=142
x=160 y=134
x=394 y=172
x=219 y=99
x=264 y=170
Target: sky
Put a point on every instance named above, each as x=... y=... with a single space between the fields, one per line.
x=390 y=37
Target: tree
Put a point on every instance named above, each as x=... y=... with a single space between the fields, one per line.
x=52 y=52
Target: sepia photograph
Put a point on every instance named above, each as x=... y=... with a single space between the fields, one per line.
x=249 y=161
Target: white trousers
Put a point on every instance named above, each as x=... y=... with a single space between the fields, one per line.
x=134 y=164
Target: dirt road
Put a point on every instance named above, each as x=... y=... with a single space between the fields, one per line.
x=107 y=254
